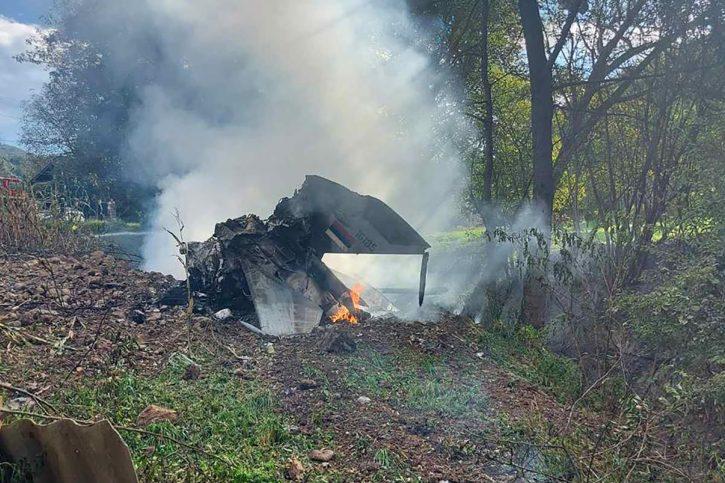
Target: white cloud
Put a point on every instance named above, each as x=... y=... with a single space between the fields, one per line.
x=17 y=81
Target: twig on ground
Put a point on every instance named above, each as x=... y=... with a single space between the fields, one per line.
x=49 y=268
x=90 y=347
x=223 y=345
x=41 y=402
x=595 y=384
x=183 y=250
x=30 y=337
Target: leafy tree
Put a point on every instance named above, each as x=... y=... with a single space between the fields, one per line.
x=81 y=116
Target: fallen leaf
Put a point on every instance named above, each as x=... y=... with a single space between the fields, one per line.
x=154 y=413
x=295 y=470
x=321 y=455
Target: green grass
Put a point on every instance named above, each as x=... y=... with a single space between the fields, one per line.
x=98 y=227
x=459 y=236
x=236 y=421
x=546 y=455
x=432 y=386
x=462 y=236
x=522 y=352
x=418 y=382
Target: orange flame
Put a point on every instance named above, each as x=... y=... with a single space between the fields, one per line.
x=343 y=314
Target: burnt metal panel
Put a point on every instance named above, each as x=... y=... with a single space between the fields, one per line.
x=348 y=222
x=281 y=310
x=276 y=265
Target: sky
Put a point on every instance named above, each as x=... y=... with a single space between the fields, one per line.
x=19 y=19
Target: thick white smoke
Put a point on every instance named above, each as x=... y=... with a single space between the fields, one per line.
x=257 y=94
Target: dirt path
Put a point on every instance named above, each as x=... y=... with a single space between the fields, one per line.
x=434 y=402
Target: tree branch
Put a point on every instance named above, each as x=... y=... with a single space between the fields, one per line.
x=564 y=34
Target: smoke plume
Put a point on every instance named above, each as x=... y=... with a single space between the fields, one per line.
x=250 y=96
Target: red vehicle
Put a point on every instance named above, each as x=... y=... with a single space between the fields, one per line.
x=9 y=186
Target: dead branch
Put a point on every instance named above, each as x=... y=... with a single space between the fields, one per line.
x=41 y=402
x=14 y=332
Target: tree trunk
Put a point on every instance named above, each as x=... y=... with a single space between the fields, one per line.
x=488 y=99
x=535 y=304
x=542 y=108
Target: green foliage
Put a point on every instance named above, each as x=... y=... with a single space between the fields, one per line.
x=98 y=227
x=13 y=161
x=680 y=322
x=512 y=139
x=80 y=117
x=546 y=453
x=640 y=165
x=522 y=351
x=457 y=237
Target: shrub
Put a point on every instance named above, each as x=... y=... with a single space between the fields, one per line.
x=24 y=228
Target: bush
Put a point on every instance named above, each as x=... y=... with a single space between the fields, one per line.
x=679 y=324
x=25 y=229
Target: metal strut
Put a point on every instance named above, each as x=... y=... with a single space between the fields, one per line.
x=423 y=274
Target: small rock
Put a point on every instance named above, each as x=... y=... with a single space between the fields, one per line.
x=223 y=314
x=364 y=400
x=243 y=373
x=20 y=403
x=269 y=347
x=28 y=318
x=292 y=429
x=138 y=316
x=295 y=470
x=307 y=384
x=153 y=413
x=193 y=371
x=323 y=455
x=338 y=343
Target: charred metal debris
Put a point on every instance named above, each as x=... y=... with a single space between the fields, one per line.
x=270 y=273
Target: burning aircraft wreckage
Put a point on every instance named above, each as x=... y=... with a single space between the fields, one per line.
x=270 y=273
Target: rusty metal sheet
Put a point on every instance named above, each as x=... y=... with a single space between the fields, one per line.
x=66 y=452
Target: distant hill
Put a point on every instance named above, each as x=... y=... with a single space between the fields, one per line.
x=12 y=160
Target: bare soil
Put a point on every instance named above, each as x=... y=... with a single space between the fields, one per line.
x=422 y=399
